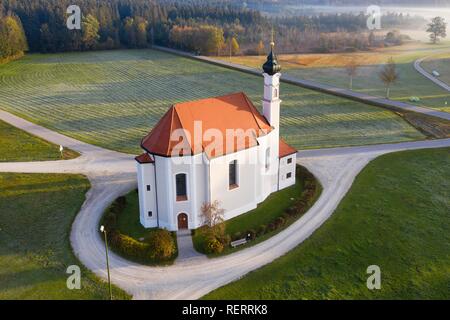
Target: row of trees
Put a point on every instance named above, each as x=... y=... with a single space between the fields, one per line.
x=199 y=25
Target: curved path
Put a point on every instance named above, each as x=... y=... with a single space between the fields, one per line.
x=426 y=74
x=113 y=174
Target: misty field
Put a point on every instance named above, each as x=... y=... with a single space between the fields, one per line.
x=440 y=63
x=113 y=98
x=330 y=69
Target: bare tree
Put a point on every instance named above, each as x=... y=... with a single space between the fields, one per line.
x=389 y=75
x=213 y=217
x=352 y=70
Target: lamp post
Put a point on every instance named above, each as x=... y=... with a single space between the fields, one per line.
x=103 y=230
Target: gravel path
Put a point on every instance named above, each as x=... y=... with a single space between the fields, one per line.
x=113 y=174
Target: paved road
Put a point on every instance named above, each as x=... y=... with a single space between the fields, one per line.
x=426 y=74
x=113 y=174
x=340 y=92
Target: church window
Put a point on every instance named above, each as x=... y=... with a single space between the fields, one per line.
x=232 y=174
x=181 y=186
x=267 y=158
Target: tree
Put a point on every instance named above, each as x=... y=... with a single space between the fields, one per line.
x=90 y=27
x=214 y=227
x=13 y=42
x=141 y=32
x=389 y=75
x=352 y=70
x=212 y=215
x=233 y=46
x=260 y=48
x=437 y=28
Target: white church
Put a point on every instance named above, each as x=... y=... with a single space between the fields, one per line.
x=212 y=149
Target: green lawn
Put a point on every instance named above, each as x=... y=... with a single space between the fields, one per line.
x=128 y=221
x=17 y=145
x=396 y=216
x=37 y=211
x=266 y=211
x=113 y=98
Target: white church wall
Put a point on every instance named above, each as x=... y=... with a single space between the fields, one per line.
x=200 y=183
x=267 y=179
x=164 y=192
x=242 y=198
x=285 y=169
x=147 y=198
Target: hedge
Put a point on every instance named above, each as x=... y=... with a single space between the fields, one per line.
x=158 y=248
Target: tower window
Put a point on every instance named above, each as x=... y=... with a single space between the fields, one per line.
x=267 y=158
x=148 y=187
x=181 y=186
x=289 y=175
x=289 y=161
x=150 y=214
x=275 y=93
x=232 y=174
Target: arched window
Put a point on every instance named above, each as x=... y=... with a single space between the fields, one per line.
x=181 y=186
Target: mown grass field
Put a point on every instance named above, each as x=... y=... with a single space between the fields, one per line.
x=396 y=216
x=34 y=240
x=17 y=145
x=114 y=98
x=330 y=69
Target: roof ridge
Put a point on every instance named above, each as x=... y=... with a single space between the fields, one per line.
x=183 y=127
x=252 y=109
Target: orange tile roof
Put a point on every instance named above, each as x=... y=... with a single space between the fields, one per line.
x=144 y=158
x=285 y=149
x=233 y=111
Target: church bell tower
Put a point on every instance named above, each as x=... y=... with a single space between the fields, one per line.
x=271 y=101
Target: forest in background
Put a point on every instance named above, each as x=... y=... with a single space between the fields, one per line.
x=201 y=26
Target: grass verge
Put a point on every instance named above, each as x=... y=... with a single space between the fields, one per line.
x=36 y=214
x=18 y=145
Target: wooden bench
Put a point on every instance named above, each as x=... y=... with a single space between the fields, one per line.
x=239 y=242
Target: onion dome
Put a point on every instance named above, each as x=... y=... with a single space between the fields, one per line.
x=271 y=66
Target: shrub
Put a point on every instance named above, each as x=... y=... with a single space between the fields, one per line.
x=272 y=226
x=212 y=245
x=225 y=240
x=237 y=236
x=161 y=245
x=128 y=246
x=261 y=230
x=291 y=211
x=285 y=216
x=279 y=222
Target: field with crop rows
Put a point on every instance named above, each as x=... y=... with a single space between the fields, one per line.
x=114 y=98
x=330 y=69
